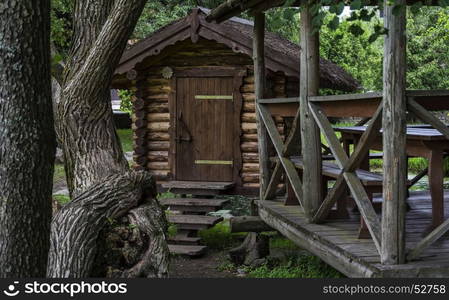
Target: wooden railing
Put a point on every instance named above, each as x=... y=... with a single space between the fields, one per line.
x=348 y=163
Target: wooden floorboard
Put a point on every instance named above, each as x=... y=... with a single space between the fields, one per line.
x=337 y=244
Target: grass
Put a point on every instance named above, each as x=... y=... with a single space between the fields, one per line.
x=126 y=138
x=166 y=195
x=59 y=173
x=299 y=266
x=62 y=199
x=279 y=242
x=220 y=237
x=295 y=264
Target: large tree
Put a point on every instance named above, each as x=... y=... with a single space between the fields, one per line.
x=27 y=140
x=427 y=49
x=100 y=182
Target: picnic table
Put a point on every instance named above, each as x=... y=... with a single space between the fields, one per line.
x=422 y=141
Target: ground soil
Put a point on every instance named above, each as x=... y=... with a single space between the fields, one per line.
x=202 y=267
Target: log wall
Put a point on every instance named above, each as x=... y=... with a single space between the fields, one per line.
x=151 y=123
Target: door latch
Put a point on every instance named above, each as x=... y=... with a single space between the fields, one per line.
x=186 y=129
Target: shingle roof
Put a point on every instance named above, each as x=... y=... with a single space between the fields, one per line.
x=281 y=54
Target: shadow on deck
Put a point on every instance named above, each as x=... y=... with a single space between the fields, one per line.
x=336 y=243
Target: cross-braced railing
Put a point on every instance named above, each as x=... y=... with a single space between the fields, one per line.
x=349 y=164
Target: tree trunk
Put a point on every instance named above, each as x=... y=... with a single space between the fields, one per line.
x=91 y=147
x=76 y=228
x=27 y=140
x=98 y=177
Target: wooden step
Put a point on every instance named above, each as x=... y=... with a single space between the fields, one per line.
x=187 y=250
x=184 y=240
x=197 y=187
x=195 y=222
x=193 y=204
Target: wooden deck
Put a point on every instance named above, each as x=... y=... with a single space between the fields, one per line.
x=336 y=243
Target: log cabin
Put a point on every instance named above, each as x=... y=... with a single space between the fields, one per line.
x=194 y=120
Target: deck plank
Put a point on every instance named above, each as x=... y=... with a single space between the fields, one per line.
x=336 y=241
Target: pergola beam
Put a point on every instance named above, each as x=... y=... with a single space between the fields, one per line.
x=310 y=134
x=394 y=138
x=259 y=81
x=232 y=8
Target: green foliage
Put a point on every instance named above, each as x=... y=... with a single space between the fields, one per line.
x=220 y=237
x=300 y=266
x=59 y=173
x=285 y=22
x=344 y=42
x=165 y=195
x=428 y=51
x=157 y=14
x=172 y=230
x=279 y=242
x=61 y=25
x=126 y=103
x=349 y=47
x=62 y=199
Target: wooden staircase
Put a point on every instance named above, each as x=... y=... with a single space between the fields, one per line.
x=197 y=187
x=191 y=219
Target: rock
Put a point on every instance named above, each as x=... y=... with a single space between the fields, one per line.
x=225 y=214
x=241 y=271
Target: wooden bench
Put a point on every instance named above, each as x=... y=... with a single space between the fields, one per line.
x=371 y=181
x=332 y=171
x=377 y=155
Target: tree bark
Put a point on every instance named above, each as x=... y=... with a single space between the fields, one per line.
x=91 y=146
x=27 y=140
x=99 y=180
x=76 y=227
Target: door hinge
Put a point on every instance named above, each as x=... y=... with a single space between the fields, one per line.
x=214 y=97
x=214 y=162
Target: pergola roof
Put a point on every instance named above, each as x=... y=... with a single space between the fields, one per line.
x=281 y=54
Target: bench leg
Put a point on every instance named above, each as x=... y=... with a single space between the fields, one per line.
x=363 y=229
x=341 y=211
x=291 y=197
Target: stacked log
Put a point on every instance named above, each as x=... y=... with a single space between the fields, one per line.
x=156 y=94
x=248 y=142
x=139 y=123
x=249 y=146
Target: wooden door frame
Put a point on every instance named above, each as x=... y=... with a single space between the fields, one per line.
x=237 y=73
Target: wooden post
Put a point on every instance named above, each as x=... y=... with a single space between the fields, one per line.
x=259 y=81
x=394 y=137
x=310 y=134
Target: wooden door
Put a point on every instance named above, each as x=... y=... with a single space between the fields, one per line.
x=205 y=129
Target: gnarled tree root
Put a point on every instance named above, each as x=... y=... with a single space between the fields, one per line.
x=77 y=229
